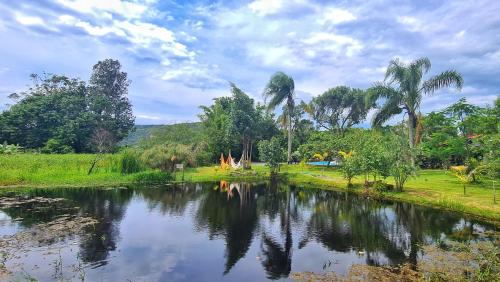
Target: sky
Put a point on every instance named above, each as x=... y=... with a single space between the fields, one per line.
x=183 y=54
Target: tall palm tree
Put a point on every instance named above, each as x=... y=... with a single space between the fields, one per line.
x=281 y=89
x=403 y=88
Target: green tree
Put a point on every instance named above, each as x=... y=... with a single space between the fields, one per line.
x=281 y=89
x=54 y=108
x=234 y=123
x=403 y=88
x=271 y=153
x=107 y=98
x=339 y=108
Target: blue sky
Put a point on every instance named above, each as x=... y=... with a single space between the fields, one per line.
x=181 y=54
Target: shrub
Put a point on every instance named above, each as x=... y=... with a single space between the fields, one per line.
x=6 y=149
x=164 y=157
x=54 y=146
x=153 y=177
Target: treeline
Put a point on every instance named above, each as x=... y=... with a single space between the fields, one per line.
x=58 y=114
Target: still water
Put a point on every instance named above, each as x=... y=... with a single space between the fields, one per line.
x=217 y=231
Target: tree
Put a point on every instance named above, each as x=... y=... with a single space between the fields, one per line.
x=233 y=123
x=403 y=88
x=271 y=153
x=54 y=109
x=281 y=89
x=108 y=101
x=339 y=108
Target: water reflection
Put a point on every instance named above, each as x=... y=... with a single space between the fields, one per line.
x=278 y=227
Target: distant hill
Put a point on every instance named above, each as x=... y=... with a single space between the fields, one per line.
x=149 y=135
x=139 y=133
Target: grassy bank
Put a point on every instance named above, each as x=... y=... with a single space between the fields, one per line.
x=437 y=188
x=58 y=170
x=432 y=187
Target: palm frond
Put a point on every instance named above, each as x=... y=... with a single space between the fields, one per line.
x=395 y=71
x=390 y=108
x=379 y=90
x=280 y=87
x=444 y=79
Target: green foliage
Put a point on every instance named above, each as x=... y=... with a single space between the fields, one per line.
x=350 y=167
x=164 y=157
x=139 y=134
x=54 y=146
x=340 y=108
x=58 y=112
x=400 y=158
x=281 y=89
x=182 y=133
x=130 y=162
x=107 y=98
x=271 y=152
x=403 y=89
x=6 y=149
x=233 y=123
x=152 y=177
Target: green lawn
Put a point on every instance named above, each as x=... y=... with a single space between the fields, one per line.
x=432 y=187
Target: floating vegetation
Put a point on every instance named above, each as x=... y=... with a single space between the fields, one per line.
x=60 y=228
x=447 y=262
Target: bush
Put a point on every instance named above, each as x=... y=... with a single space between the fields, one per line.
x=153 y=177
x=164 y=157
x=6 y=149
x=54 y=146
x=130 y=162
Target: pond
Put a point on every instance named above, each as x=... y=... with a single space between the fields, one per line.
x=212 y=232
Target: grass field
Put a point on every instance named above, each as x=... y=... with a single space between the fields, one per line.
x=431 y=187
x=55 y=170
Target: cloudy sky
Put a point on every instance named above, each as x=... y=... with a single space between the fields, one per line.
x=181 y=54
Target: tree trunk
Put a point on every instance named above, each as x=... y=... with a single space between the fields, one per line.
x=289 y=158
x=412 y=124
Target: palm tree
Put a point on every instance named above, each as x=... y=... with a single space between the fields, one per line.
x=281 y=89
x=403 y=88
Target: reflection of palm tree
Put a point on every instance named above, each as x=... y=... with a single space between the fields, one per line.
x=278 y=259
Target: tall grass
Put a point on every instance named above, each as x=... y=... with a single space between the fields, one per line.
x=68 y=169
x=130 y=162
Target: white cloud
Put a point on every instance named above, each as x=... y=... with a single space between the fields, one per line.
x=335 y=16
x=149 y=117
x=333 y=43
x=105 y=9
x=265 y=7
x=412 y=23
x=29 y=20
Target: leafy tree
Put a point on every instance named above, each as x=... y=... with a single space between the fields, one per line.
x=54 y=108
x=107 y=98
x=350 y=166
x=281 y=89
x=401 y=159
x=271 y=153
x=234 y=123
x=339 y=108
x=403 y=89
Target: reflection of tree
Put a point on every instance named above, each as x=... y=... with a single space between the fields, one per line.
x=351 y=223
x=278 y=259
x=106 y=206
x=233 y=217
x=172 y=200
